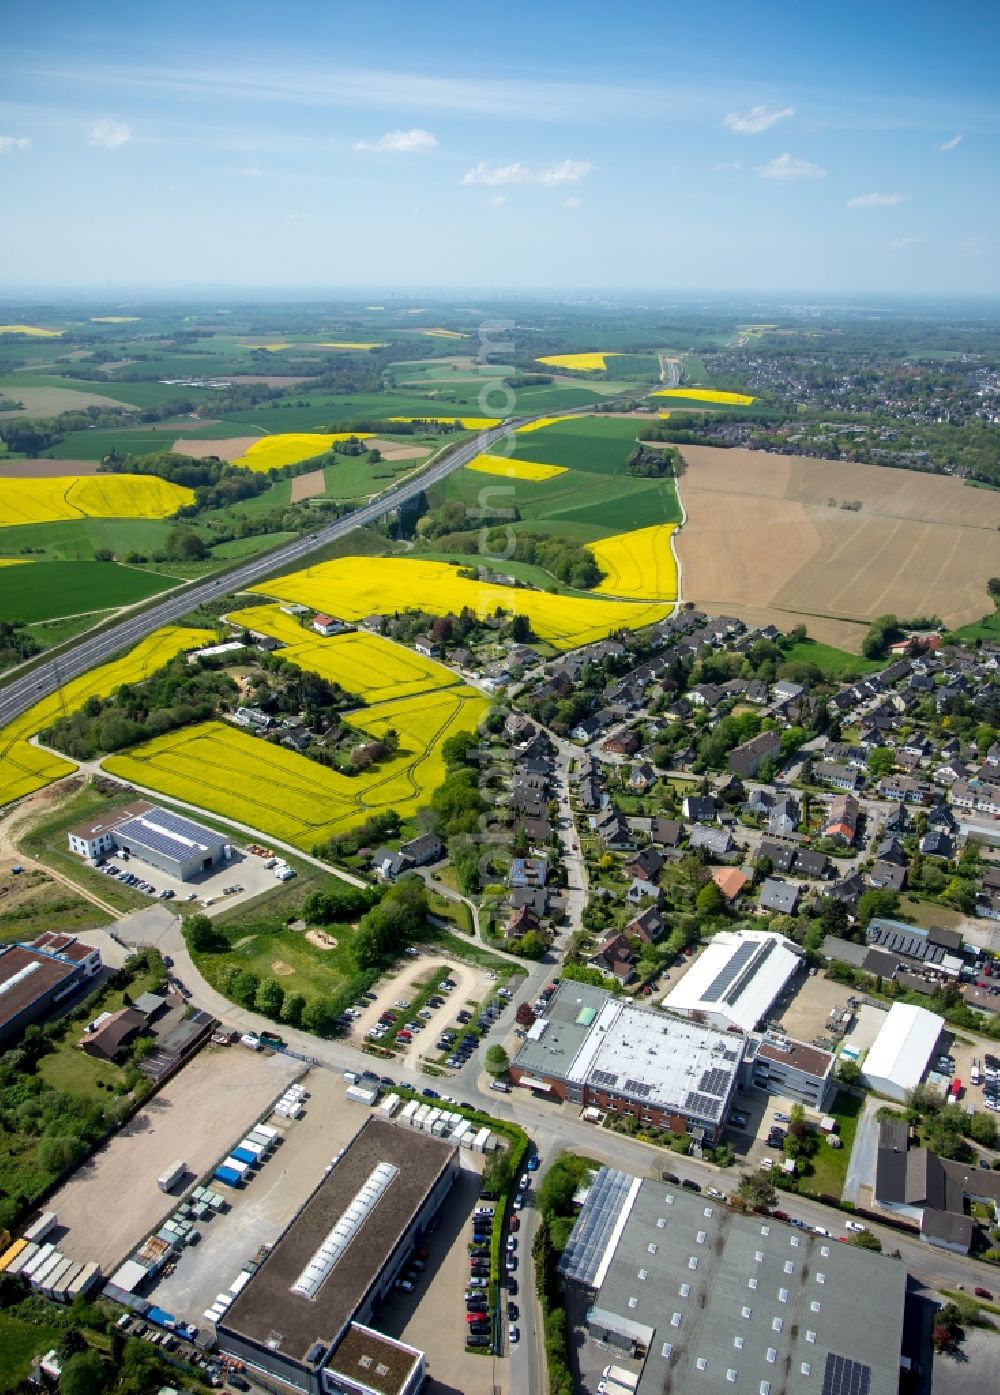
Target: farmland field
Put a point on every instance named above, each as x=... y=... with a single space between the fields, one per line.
x=89 y=496
x=237 y=776
x=919 y=544
x=514 y=469
x=601 y=445
x=92 y=393
x=712 y=396
x=45 y=590
x=639 y=564
x=352 y=588
x=50 y=401
x=129 y=440
x=31 y=331
x=579 y=363
x=365 y=664
x=23 y=767
x=77 y=539
x=287 y=448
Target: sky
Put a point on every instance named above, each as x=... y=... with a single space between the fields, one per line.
x=762 y=148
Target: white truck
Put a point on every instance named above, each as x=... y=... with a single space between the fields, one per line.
x=621 y=1377
x=975 y=1074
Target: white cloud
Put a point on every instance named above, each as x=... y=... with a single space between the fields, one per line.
x=727 y=166
x=757 y=119
x=109 y=133
x=788 y=167
x=565 y=172
x=497 y=201
x=8 y=144
x=572 y=202
x=877 y=200
x=950 y=144
x=252 y=172
x=399 y=142
x=899 y=244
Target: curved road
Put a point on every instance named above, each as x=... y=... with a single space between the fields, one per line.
x=41 y=682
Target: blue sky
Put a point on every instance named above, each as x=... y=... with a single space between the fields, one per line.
x=757 y=147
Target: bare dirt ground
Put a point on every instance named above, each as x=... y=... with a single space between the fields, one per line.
x=47 y=469
x=308 y=486
x=229 y=448
x=764 y=541
x=112 y=1200
x=397 y=450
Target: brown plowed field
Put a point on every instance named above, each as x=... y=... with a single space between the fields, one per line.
x=229 y=448
x=763 y=540
x=47 y=469
x=397 y=450
x=308 y=486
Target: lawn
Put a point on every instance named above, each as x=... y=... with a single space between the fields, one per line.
x=20 y=1343
x=834 y=664
x=31 y=903
x=48 y=590
x=988 y=629
x=830 y=1164
x=355 y=477
x=271 y=952
x=249 y=547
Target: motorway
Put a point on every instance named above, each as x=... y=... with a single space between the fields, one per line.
x=41 y=682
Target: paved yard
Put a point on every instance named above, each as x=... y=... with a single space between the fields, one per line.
x=112 y=1200
x=262 y=1209
x=805 y=1015
x=433 y=1316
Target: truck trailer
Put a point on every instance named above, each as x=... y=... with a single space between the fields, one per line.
x=172 y=1176
x=621 y=1377
x=41 y=1227
x=245 y=1156
x=228 y=1177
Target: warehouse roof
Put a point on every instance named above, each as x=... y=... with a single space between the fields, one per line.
x=903 y=1047
x=93 y=828
x=738 y=975
x=268 y=1312
x=723 y=1301
x=25 y=975
x=162 y=831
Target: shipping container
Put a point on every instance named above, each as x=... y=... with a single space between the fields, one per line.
x=620 y=1376
x=85 y=1281
x=16 y=1265
x=268 y=1131
x=161 y=1318
x=235 y=1164
x=228 y=1177
x=11 y=1254
x=264 y=1140
x=53 y=1281
x=62 y=1293
x=259 y=1150
x=41 y=1256
x=244 y=1156
x=39 y=1228
x=41 y=1274
x=172 y=1176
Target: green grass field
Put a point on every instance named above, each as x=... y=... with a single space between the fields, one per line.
x=830 y=1164
x=598 y=445
x=988 y=628
x=832 y=663
x=20 y=1344
x=249 y=547
x=95 y=445
x=76 y=539
x=48 y=590
x=131 y=394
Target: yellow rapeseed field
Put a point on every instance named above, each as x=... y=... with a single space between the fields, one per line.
x=732 y=399
x=467 y=423
x=346 y=344
x=13 y=561
x=638 y=564
x=114 y=319
x=353 y=587
x=374 y=668
x=237 y=776
x=538 y=425
x=33 y=330
x=579 y=363
x=514 y=469
x=89 y=496
x=288 y=448
x=23 y=767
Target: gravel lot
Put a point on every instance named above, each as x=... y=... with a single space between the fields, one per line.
x=112 y=1200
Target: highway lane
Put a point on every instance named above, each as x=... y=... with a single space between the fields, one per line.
x=41 y=682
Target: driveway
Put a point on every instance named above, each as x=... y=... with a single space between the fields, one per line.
x=864 y=1154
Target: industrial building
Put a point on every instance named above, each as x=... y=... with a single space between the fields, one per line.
x=899 y=1056
x=793 y=1070
x=736 y=979
x=305 y=1315
x=910 y=947
x=37 y=977
x=593 y=1049
x=176 y=845
x=697 y=1297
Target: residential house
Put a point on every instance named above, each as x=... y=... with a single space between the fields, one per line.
x=586 y=729
x=614 y=956
x=642 y=889
x=747 y=758
x=971 y=794
x=730 y=881
x=646 y=864
x=701 y=808
x=521 y=921
x=839 y=777
x=891 y=850
x=783 y=819
x=528 y=871
x=624 y=743
x=427 y=645
x=776 y=895
x=375 y=623
x=387 y=864
x=641 y=777
x=842 y=823
x=937 y=843
x=666 y=833
x=813 y=865
x=647 y=926
x=422 y=850
x=705 y=695
x=715 y=840
x=326 y=624
x=906 y=788
x=780 y=855
x=888 y=876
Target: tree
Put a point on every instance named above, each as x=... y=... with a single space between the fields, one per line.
x=497 y=1061
x=524 y=1015
x=848 y=1071
x=202 y=936
x=865 y=1240
x=293 y=1009
x=70 y=1343
x=269 y=998
x=874 y=903
x=756 y=1192
x=186 y=546
x=83 y=1374
x=881 y=762
x=983 y=1130
x=710 y=900
x=243 y=987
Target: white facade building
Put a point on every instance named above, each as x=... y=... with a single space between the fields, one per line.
x=736 y=979
x=902 y=1051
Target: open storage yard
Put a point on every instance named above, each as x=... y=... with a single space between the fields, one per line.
x=112 y=1200
x=768 y=539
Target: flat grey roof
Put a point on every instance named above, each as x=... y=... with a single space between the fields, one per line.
x=168 y=833
x=702 y=1283
x=268 y=1312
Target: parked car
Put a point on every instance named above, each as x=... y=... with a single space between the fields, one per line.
x=534 y=1162
x=983 y=1293
x=513 y=1335
x=691 y=1185
x=403 y=1285
x=856 y=1226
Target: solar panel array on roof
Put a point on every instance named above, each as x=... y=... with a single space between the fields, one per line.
x=845 y=1377
x=604 y=1078
x=910 y=945
x=638 y=1088
x=743 y=956
x=590 y=1236
x=715 y=1081
x=704 y=1106
x=165 y=833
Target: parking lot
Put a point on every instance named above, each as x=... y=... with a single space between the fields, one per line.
x=433 y=1317
x=112 y=1200
x=472 y=985
x=262 y=1209
x=244 y=870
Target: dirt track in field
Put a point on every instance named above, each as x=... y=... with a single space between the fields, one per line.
x=767 y=539
x=308 y=486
